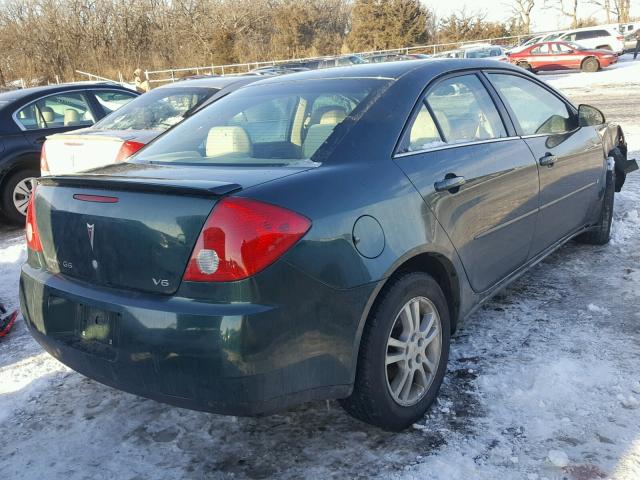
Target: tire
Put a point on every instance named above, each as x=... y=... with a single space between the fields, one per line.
x=590 y=65
x=372 y=400
x=601 y=234
x=15 y=188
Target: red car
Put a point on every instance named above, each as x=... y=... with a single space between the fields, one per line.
x=562 y=56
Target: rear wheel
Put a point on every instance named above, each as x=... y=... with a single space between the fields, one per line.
x=16 y=193
x=601 y=234
x=403 y=354
x=590 y=65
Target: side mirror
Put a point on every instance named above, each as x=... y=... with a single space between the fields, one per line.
x=589 y=116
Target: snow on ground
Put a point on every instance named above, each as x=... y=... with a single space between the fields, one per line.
x=543 y=382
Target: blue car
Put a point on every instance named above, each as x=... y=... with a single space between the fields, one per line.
x=316 y=236
x=29 y=115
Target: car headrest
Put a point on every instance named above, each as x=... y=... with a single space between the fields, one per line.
x=333 y=117
x=227 y=140
x=71 y=117
x=48 y=114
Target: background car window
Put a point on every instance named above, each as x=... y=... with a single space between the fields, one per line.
x=112 y=100
x=464 y=110
x=541 y=50
x=56 y=111
x=561 y=48
x=537 y=110
x=156 y=110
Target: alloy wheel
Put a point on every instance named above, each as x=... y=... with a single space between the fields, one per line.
x=22 y=194
x=414 y=348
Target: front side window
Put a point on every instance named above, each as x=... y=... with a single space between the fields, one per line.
x=275 y=124
x=464 y=110
x=112 y=100
x=56 y=111
x=156 y=110
x=536 y=110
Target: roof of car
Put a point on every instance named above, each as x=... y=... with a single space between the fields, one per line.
x=213 y=82
x=430 y=67
x=34 y=92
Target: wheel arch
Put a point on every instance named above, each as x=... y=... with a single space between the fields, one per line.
x=585 y=59
x=436 y=264
x=21 y=162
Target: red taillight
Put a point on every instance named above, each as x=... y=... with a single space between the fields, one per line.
x=242 y=237
x=44 y=165
x=31 y=228
x=127 y=149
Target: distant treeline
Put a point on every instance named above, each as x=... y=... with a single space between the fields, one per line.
x=50 y=39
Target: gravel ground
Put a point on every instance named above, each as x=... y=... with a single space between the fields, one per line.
x=543 y=383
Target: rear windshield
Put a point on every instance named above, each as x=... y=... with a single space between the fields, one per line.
x=157 y=110
x=275 y=124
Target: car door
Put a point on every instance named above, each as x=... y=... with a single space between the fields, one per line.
x=570 y=159
x=479 y=180
x=566 y=56
x=540 y=57
x=56 y=113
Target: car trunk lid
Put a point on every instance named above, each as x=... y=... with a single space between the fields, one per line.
x=134 y=231
x=87 y=149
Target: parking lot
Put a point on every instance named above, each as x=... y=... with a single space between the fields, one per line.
x=547 y=369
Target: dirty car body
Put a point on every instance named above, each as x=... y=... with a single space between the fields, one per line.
x=381 y=170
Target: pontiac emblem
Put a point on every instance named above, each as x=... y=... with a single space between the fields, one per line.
x=90 y=230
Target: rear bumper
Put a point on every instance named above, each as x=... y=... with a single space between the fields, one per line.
x=232 y=358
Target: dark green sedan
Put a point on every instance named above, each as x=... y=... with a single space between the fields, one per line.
x=314 y=236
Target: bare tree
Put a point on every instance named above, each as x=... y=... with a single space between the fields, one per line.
x=522 y=12
x=622 y=9
x=568 y=8
x=606 y=7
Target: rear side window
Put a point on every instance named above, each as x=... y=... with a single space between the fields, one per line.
x=464 y=110
x=56 y=111
x=422 y=133
x=541 y=50
x=112 y=100
x=536 y=110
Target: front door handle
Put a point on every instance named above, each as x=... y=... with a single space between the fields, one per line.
x=450 y=183
x=548 y=160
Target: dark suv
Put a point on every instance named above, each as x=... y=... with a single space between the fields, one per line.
x=26 y=118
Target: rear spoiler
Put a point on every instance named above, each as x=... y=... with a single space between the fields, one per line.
x=199 y=188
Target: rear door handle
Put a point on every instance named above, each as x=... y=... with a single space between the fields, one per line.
x=548 y=160
x=449 y=184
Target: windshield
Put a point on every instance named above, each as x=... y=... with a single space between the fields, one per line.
x=157 y=110
x=277 y=124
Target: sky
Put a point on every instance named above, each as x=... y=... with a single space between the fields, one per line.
x=542 y=18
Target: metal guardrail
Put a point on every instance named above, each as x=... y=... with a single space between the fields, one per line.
x=174 y=74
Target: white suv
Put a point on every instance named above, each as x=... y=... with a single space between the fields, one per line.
x=606 y=38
